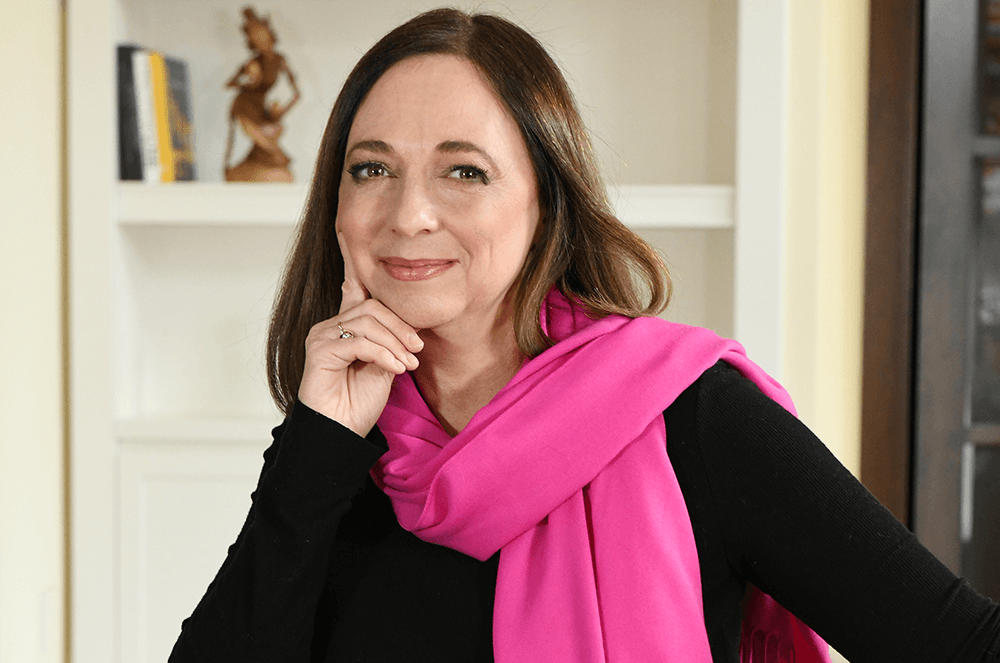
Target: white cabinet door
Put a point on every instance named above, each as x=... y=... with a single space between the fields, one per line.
x=180 y=507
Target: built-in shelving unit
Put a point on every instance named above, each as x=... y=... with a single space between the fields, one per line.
x=171 y=286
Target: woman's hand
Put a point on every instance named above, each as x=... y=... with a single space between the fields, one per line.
x=348 y=379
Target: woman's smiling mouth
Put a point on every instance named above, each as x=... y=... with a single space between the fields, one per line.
x=402 y=269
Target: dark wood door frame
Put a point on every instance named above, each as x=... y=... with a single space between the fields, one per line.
x=892 y=195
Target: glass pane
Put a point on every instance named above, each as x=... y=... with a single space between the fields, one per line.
x=989 y=100
x=986 y=336
x=980 y=554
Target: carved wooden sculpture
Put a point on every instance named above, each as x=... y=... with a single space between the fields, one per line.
x=266 y=162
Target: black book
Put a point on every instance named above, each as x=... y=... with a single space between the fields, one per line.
x=129 y=146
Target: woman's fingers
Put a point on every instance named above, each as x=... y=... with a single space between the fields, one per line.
x=349 y=350
x=377 y=317
x=353 y=291
x=380 y=327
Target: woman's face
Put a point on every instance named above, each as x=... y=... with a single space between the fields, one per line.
x=438 y=200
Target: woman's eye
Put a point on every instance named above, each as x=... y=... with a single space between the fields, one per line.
x=367 y=171
x=469 y=173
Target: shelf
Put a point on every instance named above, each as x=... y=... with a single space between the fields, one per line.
x=172 y=430
x=205 y=204
x=210 y=204
x=671 y=206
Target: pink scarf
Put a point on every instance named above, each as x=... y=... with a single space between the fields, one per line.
x=566 y=473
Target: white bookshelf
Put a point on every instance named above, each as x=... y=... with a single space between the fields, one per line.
x=171 y=285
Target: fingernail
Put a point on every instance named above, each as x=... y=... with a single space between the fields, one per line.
x=416 y=341
x=401 y=365
x=412 y=359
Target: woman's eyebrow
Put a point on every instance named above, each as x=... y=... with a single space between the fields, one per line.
x=377 y=146
x=465 y=146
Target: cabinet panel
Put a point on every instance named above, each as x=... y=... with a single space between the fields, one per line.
x=180 y=507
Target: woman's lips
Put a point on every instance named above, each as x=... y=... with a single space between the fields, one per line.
x=415 y=270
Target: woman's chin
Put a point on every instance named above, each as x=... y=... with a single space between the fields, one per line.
x=420 y=312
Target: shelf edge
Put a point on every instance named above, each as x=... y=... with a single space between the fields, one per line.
x=248 y=205
x=195 y=430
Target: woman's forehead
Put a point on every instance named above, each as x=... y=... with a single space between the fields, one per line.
x=432 y=98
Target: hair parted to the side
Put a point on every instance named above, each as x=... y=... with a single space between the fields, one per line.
x=582 y=247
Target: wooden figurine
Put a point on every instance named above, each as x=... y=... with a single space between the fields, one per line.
x=266 y=162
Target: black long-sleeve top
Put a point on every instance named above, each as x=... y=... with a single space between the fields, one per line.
x=323 y=572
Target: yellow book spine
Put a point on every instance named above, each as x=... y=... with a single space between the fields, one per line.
x=158 y=71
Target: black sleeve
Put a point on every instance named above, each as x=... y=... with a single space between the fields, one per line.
x=798 y=525
x=262 y=603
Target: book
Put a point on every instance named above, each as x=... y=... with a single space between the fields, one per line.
x=179 y=120
x=149 y=146
x=158 y=81
x=129 y=149
x=155 y=126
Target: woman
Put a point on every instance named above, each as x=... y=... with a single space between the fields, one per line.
x=474 y=464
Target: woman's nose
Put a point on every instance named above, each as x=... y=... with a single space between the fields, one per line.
x=414 y=210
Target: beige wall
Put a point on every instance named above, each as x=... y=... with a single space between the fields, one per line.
x=31 y=361
x=826 y=207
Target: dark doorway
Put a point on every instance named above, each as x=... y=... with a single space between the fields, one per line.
x=931 y=388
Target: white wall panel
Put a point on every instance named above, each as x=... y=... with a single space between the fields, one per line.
x=180 y=507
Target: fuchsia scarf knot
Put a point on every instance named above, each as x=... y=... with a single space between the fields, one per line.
x=566 y=473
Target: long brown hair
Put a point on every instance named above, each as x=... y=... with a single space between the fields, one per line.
x=583 y=248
